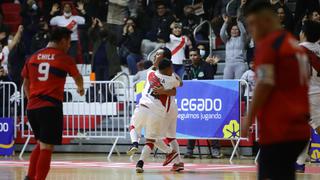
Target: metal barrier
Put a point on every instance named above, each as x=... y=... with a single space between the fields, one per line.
x=9 y=96
x=101 y=113
x=211 y=36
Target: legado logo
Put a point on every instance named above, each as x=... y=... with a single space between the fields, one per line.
x=200 y=105
x=4 y=127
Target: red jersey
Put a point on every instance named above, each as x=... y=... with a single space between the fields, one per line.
x=285 y=115
x=47 y=70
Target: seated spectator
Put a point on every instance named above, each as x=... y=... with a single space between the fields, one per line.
x=287 y=23
x=105 y=59
x=118 y=11
x=142 y=75
x=178 y=45
x=199 y=70
x=71 y=22
x=41 y=38
x=235 y=38
x=130 y=45
x=30 y=14
x=160 y=29
x=249 y=77
x=205 y=55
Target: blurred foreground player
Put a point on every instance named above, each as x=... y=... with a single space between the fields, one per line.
x=309 y=36
x=280 y=99
x=44 y=78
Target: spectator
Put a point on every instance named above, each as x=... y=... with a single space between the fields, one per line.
x=143 y=18
x=302 y=7
x=105 y=59
x=205 y=55
x=71 y=22
x=199 y=70
x=4 y=31
x=314 y=16
x=118 y=11
x=249 y=77
x=235 y=37
x=8 y=46
x=131 y=44
x=160 y=29
x=243 y=5
x=287 y=23
x=41 y=38
x=50 y=9
x=178 y=46
x=189 y=22
x=142 y=75
x=30 y=14
x=288 y=13
x=96 y=9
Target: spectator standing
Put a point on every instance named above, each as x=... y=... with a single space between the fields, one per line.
x=41 y=38
x=199 y=70
x=178 y=46
x=118 y=11
x=235 y=37
x=286 y=22
x=131 y=45
x=71 y=22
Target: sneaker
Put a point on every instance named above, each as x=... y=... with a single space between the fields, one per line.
x=189 y=156
x=170 y=157
x=139 y=166
x=178 y=167
x=132 y=150
x=216 y=154
x=300 y=168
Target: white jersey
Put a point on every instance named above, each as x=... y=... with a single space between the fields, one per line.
x=177 y=46
x=249 y=76
x=315 y=78
x=71 y=23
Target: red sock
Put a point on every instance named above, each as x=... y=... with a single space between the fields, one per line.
x=43 y=165
x=33 y=162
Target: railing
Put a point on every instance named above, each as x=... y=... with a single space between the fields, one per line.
x=211 y=36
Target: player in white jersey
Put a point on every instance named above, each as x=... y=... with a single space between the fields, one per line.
x=309 y=36
x=151 y=114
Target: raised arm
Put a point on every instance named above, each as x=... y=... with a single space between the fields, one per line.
x=16 y=39
x=243 y=31
x=223 y=32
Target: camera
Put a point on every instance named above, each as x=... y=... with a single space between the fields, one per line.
x=187 y=63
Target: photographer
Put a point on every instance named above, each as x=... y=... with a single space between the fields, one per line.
x=196 y=68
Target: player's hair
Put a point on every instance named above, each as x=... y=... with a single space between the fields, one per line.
x=166 y=52
x=195 y=50
x=59 y=33
x=258 y=6
x=164 y=64
x=311 y=30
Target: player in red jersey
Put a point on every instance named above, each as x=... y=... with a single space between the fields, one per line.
x=44 y=78
x=280 y=99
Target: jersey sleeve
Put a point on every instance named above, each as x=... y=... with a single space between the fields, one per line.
x=80 y=20
x=54 y=21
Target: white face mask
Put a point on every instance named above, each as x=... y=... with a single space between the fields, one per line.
x=34 y=6
x=202 y=53
x=67 y=15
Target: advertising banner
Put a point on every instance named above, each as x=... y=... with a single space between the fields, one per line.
x=6 y=136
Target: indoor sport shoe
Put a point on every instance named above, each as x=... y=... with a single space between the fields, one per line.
x=300 y=168
x=170 y=157
x=132 y=150
x=139 y=166
x=178 y=167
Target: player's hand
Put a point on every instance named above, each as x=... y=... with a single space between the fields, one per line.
x=80 y=91
x=159 y=90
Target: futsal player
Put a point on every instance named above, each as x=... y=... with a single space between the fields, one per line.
x=280 y=99
x=44 y=79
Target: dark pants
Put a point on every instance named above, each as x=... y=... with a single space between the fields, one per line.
x=191 y=144
x=132 y=60
x=73 y=50
x=277 y=161
x=116 y=30
x=102 y=74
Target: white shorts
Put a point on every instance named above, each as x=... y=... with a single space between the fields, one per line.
x=171 y=122
x=143 y=117
x=315 y=110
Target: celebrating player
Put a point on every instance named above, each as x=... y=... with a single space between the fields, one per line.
x=44 y=78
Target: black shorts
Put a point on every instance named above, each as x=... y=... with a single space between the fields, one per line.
x=47 y=124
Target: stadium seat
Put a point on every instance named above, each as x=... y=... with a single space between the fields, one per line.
x=10 y=8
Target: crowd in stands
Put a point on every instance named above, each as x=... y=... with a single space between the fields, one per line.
x=112 y=33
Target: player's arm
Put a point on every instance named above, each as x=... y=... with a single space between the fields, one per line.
x=179 y=79
x=79 y=82
x=26 y=87
x=263 y=89
x=162 y=91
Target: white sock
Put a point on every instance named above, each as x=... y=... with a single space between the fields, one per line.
x=146 y=151
x=162 y=146
x=303 y=156
x=133 y=135
x=174 y=145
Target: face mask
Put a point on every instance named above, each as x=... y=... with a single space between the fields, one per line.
x=67 y=15
x=34 y=7
x=202 y=53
